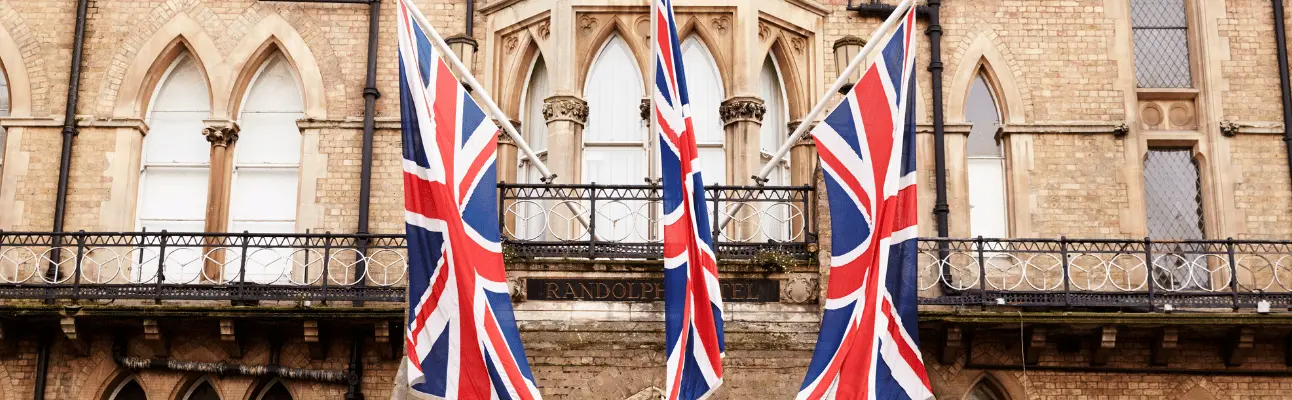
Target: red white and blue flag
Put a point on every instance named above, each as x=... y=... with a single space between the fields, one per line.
x=692 y=301
x=868 y=346
x=461 y=334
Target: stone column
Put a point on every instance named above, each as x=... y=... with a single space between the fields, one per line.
x=565 y=117
x=222 y=134
x=802 y=170
x=742 y=118
x=507 y=159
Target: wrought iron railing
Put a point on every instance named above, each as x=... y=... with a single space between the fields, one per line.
x=1157 y=275
x=202 y=266
x=1144 y=275
x=625 y=221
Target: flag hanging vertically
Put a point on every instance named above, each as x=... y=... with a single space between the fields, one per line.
x=461 y=334
x=692 y=300
x=868 y=346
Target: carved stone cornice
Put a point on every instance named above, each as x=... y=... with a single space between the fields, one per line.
x=221 y=133
x=565 y=108
x=738 y=109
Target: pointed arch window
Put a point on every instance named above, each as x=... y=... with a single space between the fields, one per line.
x=128 y=389
x=774 y=220
x=266 y=166
x=987 y=389
x=274 y=391
x=988 y=205
x=202 y=390
x=533 y=124
x=704 y=88
x=615 y=142
x=175 y=168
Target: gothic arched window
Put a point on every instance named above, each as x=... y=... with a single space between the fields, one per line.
x=202 y=390
x=987 y=389
x=175 y=169
x=774 y=221
x=274 y=391
x=704 y=88
x=128 y=389
x=615 y=143
x=4 y=110
x=988 y=206
x=266 y=167
x=533 y=124
x=176 y=158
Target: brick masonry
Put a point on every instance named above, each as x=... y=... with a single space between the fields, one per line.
x=1064 y=56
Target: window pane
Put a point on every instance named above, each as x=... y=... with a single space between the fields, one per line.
x=987 y=205
x=712 y=165
x=264 y=195
x=534 y=124
x=704 y=86
x=1160 y=31
x=774 y=124
x=276 y=392
x=184 y=88
x=269 y=138
x=275 y=89
x=614 y=92
x=183 y=264
x=174 y=194
x=203 y=391
x=1173 y=198
x=981 y=111
x=129 y=391
x=4 y=93
x=176 y=137
x=623 y=166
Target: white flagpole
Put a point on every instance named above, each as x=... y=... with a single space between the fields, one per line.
x=483 y=95
x=802 y=129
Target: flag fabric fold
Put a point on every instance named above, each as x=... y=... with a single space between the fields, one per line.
x=692 y=301
x=868 y=346
x=461 y=335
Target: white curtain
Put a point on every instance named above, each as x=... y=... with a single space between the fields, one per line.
x=615 y=140
x=704 y=85
x=774 y=221
x=988 y=207
x=175 y=168
x=530 y=218
x=266 y=168
x=4 y=111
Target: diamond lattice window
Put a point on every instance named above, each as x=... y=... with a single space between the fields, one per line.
x=1160 y=30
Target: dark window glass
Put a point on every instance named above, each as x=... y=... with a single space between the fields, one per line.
x=1173 y=197
x=276 y=391
x=203 y=391
x=1160 y=30
x=129 y=391
x=986 y=390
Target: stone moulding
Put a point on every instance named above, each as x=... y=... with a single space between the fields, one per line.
x=565 y=108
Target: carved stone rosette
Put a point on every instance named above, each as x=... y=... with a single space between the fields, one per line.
x=565 y=108
x=221 y=133
x=737 y=109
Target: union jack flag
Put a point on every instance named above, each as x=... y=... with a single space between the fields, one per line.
x=461 y=338
x=868 y=346
x=692 y=300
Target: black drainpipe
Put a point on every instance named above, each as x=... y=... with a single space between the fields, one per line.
x=69 y=132
x=1281 y=41
x=354 y=375
x=370 y=95
x=42 y=365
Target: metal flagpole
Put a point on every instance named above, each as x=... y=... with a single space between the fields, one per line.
x=802 y=129
x=483 y=96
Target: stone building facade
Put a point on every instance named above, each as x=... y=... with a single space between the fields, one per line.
x=1108 y=121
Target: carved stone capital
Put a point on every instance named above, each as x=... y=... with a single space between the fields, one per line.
x=565 y=108
x=503 y=137
x=738 y=109
x=645 y=110
x=806 y=140
x=221 y=133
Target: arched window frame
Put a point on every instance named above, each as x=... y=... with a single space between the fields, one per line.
x=779 y=128
x=990 y=387
x=6 y=104
x=532 y=122
x=195 y=384
x=990 y=170
x=643 y=139
x=263 y=389
x=115 y=390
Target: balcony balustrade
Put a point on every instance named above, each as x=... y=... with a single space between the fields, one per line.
x=540 y=224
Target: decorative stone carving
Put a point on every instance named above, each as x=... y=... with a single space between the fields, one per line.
x=798 y=44
x=650 y=393
x=1121 y=130
x=545 y=30
x=565 y=108
x=645 y=110
x=721 y=24
x=502 y=134
x=799 y=290
x=587 y=25
x=517 y=287
x=221 y=133
x=509 y=44
x=738 y=109
x=763 y=31
x=1228 y=128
